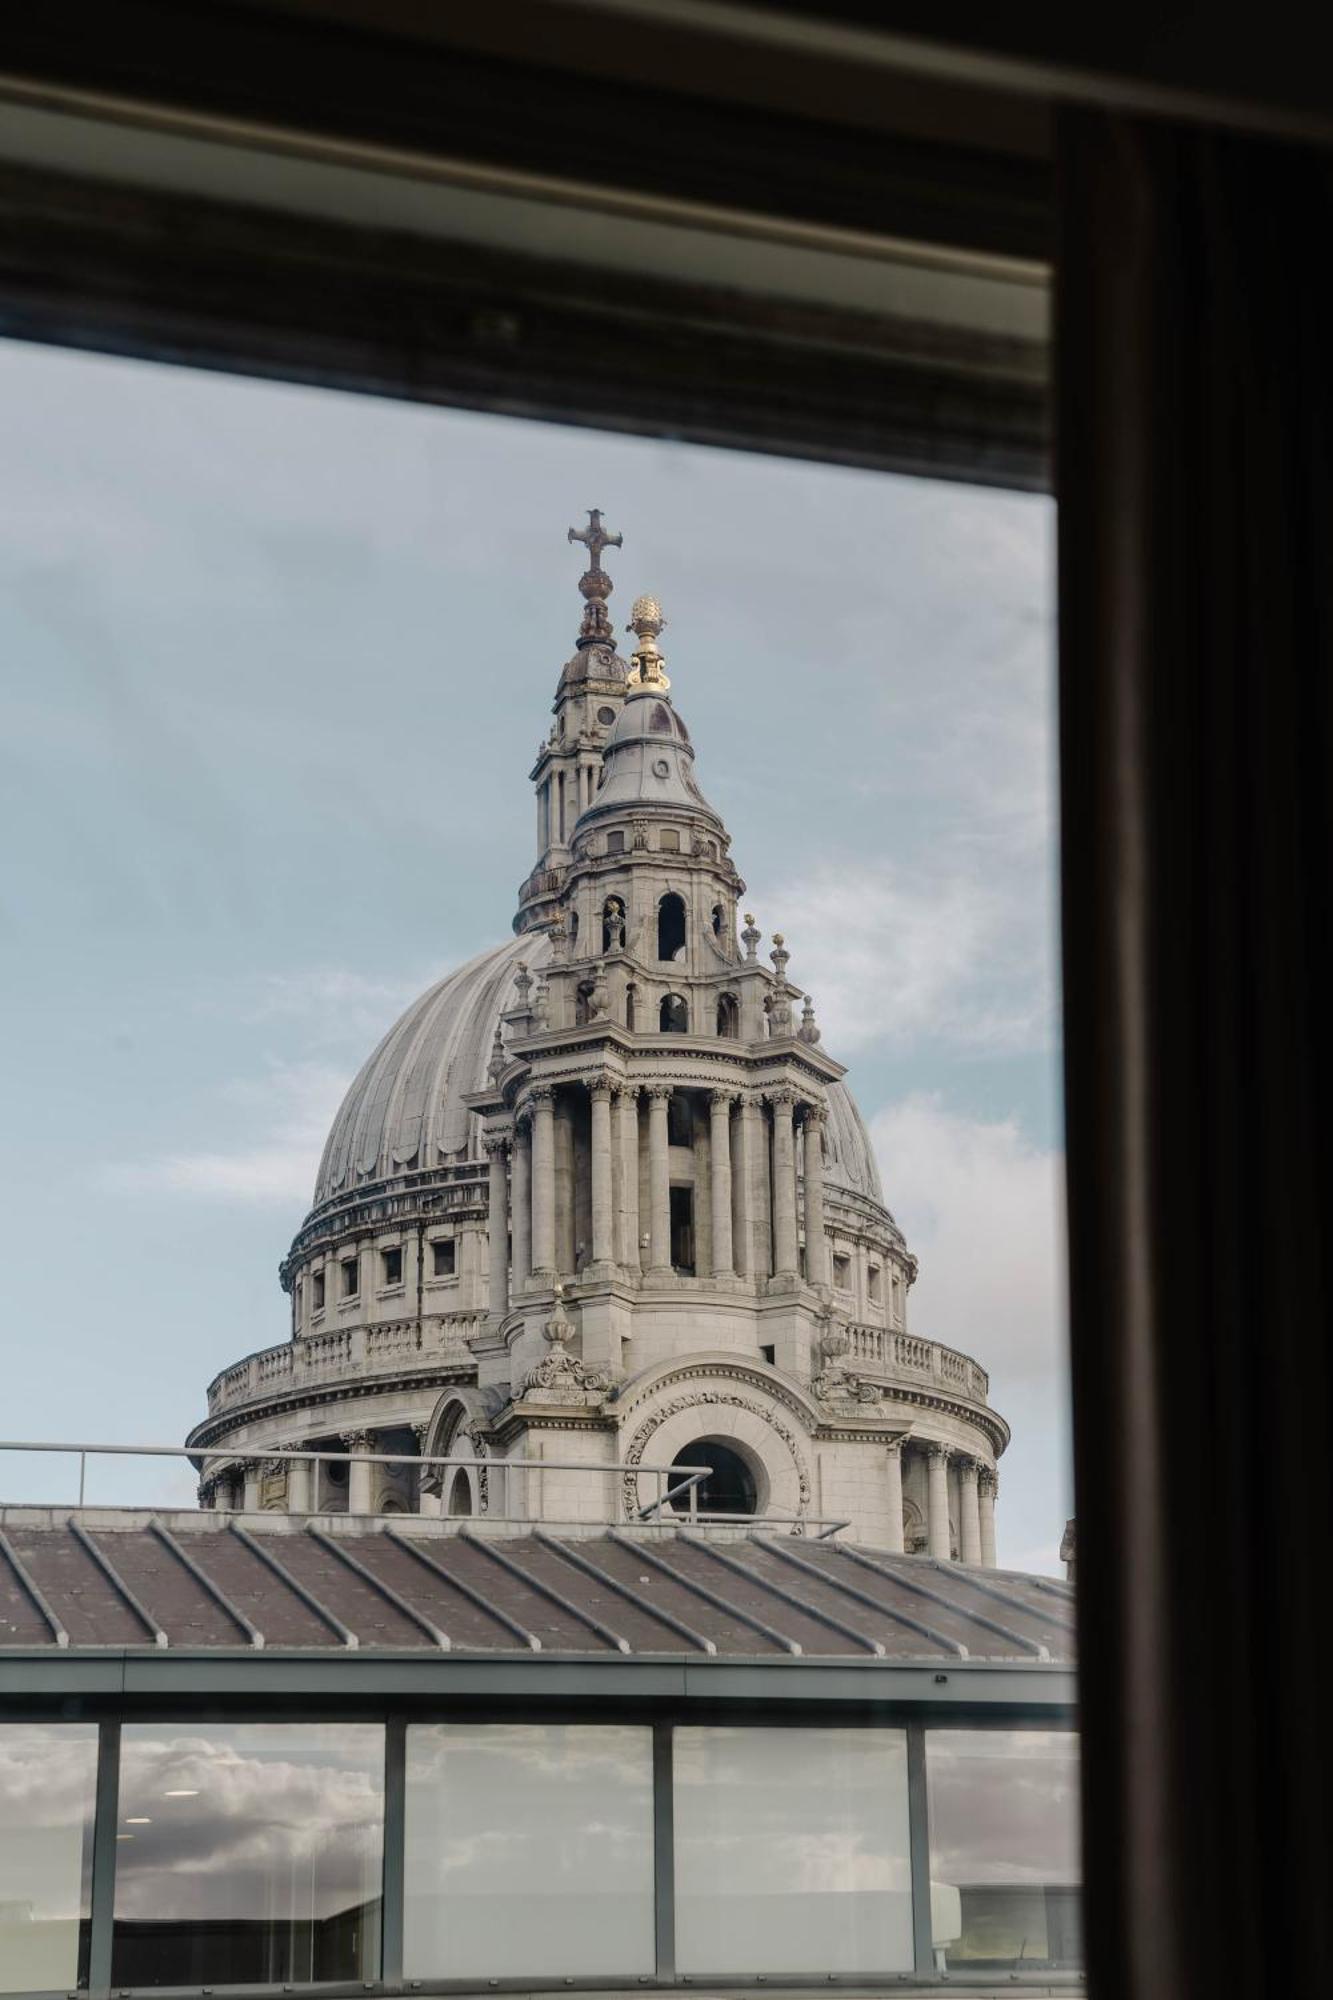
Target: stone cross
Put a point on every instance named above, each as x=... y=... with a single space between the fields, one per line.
x=595 y=538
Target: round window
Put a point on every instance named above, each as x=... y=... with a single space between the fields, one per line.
x=729 y=1487
x=661 y=769
x=606 y=716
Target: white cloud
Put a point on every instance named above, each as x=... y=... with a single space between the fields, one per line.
x=982 y=1209
x=294 y=1107
x=908 y=958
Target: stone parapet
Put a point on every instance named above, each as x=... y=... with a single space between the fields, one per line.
x=349 y=1354
x=891 y=1356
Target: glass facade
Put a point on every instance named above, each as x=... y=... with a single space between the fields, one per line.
x=792 y=1851
x=528 y=1851
x=253 y=1854
x=48 y=1782
x=249 y=1853
x=1004 y=1849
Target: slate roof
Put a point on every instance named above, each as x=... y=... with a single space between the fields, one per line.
x=94 y=1580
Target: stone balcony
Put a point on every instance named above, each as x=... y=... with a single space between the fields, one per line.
x=354 y=1354
x=889 y=1356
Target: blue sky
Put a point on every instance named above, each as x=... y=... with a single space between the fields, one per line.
x=276 y=663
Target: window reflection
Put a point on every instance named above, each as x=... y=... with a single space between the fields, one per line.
x=249 y=1853
x=1004 y=1849
x=529 y=1851
x=792 y=1851
x=48 y=1782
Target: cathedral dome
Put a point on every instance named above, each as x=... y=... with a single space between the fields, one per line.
x=405 y=1113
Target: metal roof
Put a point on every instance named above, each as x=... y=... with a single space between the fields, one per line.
x=94 y=1580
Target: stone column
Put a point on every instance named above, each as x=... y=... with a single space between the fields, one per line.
x=987 y=1488
x=520 y=1203
x=360 y=1477
x=543 y=1182
x=816 y=1242
x=603 y=1218
x=969 y=1513
x=894 y=1504
x=719 y=1167
x=937 y=1501
x=659 y=1179
x=628 y=1111
x=298 y=1486
x=784 y=1186
x=252 y=1470
x=747 y=1177
x=224 y=1491
x=497 y=1230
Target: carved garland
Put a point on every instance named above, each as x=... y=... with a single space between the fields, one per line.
x=696 y=1398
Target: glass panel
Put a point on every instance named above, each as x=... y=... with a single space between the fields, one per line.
x=249 y=1853
x=529 y=1851
x=791 y=1851
x=1004 y=1854
x=48 y=1784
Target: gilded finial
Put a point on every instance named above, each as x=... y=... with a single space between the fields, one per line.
x=595 y=586
x=647 y=661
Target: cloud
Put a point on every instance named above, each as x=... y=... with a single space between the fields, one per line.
x=295 y=1105
x=329 y=1003
x=983 y=1210
x=907 y=958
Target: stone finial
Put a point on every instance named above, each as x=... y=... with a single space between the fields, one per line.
x=647 y=661
x=522 y=983
x=809 y=1028
x=541 y=1006
x=599 y=1000
x=497 y=1061
x=595 y=586
x=751 y=936
x=780 y=955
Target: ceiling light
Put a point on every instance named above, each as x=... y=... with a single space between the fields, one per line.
x=140 y=1821
x=181 y=1795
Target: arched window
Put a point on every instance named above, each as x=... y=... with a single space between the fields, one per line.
x=680 y=1120
x=728 y=1016
x=573 y=927
x=631 y=1006
x=730 y=1485
x=719 y=921
x=460 y=1493
x=613 y=923
x=671 y=927
x=674 y=1017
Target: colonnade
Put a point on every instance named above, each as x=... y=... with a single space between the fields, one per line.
x=977 y=1487
x=521 y=1214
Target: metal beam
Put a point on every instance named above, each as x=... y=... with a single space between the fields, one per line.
x=613 y=1583
x=917 y=1625
x=801 y=1604
x=548 y=1591
x=118 y=1583
x=384 y=1590
x=713 y=1597
x=297 y=1588
x=206 y=1583
x=465 y=1589
x=29 y=1586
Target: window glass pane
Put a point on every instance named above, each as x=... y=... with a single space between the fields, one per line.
x=249 y=1853
x=1004 y=1856
x=529 y=1851
x=48 y=1781
x=791 y=1851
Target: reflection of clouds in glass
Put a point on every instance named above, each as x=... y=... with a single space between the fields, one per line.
x=287 y=1823
x=48 y=1777
x=792 y=1850
x=529 y=1850
x=1004 y=1806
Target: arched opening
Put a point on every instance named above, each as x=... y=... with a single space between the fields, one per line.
x=728 y=1016
x=730 y=1485
x=631 y=1006
x=583 y=1004
x=674 y=1016
x=573 y=927
x=671 y=927
x=719 y=921
x=460 y=1494
x=613 y=924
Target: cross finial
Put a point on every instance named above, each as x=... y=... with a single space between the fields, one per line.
x=595 y=585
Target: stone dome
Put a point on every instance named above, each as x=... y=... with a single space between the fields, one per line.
x=405 y=1113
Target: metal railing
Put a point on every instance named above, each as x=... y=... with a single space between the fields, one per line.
x=673 y=1482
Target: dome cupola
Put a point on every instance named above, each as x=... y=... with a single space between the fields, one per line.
x=648 y=759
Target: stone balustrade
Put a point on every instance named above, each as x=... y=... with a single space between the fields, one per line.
x=880 y=1351
x=342 y=1353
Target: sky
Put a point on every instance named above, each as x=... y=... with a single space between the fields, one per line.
x=276 y=662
